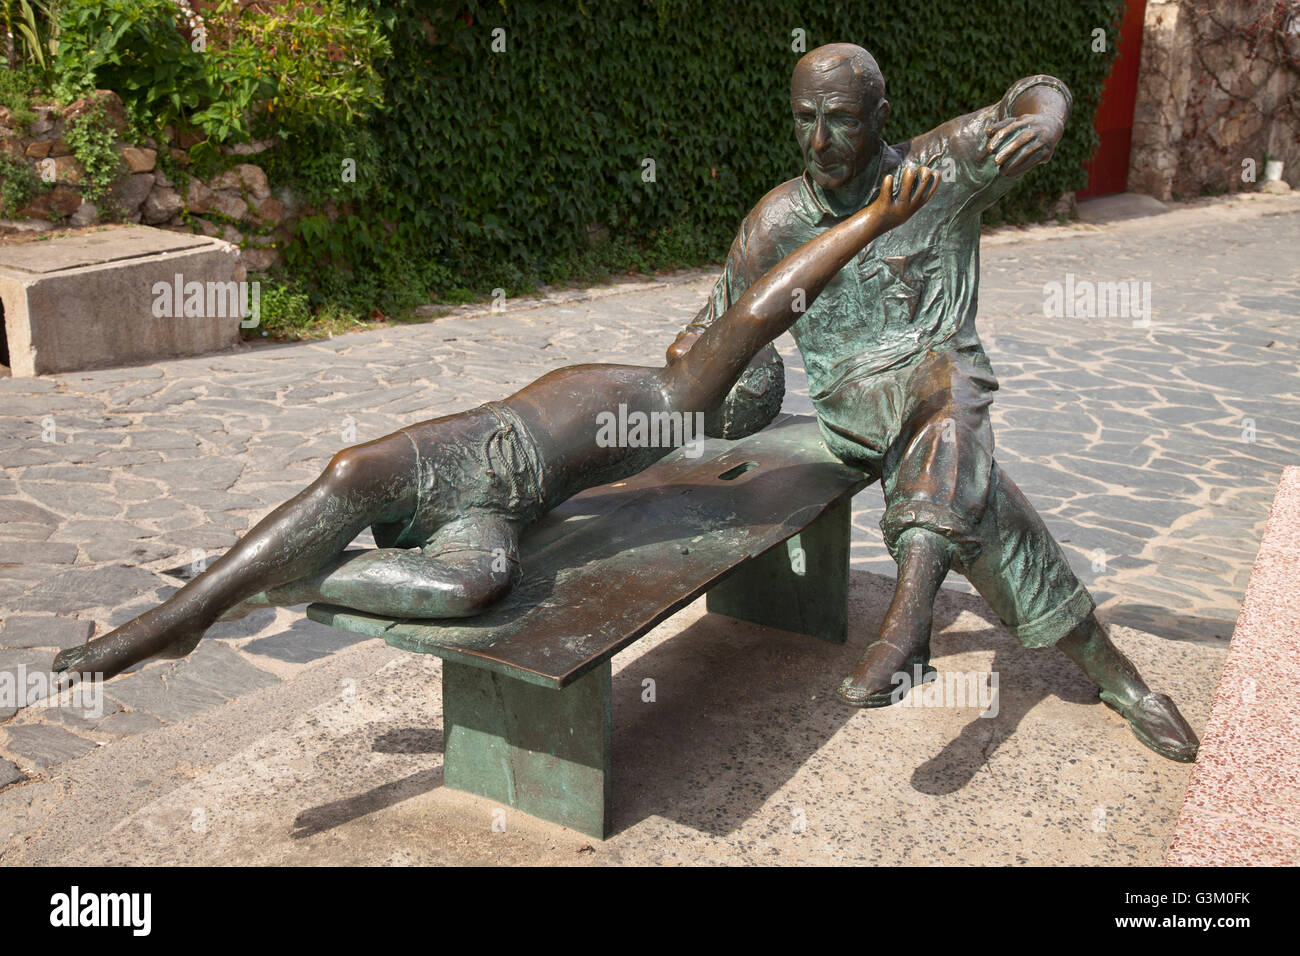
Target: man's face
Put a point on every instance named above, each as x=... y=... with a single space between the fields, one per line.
x=837 y=130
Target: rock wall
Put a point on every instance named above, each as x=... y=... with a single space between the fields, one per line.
x=1219 y=84
x=236 y=205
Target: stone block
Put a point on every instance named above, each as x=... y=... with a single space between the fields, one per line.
x=67 y=170
x=131 y=192
x=92 y=301
x=114 y=109
x=161 y=205
x=59 y=203
x=245 y=177
x=87 y=214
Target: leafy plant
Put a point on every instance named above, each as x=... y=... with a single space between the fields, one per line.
x=240 y=71
x=35 y=23
x=284 y=308
x=93 y=142
x=18 y=184
x=16 y=87
x=292 y=67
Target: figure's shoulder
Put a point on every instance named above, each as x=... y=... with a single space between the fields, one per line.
x=778 y=204
x=782 y=212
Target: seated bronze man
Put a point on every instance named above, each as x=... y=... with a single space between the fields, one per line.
x=448 y=498
x=899 y=378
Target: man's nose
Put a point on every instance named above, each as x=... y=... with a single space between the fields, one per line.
x=821 y=134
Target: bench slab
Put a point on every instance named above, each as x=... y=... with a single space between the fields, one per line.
x=610 y=564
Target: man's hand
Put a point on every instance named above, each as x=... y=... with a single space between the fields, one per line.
x=915 y=188
x=1020 y=142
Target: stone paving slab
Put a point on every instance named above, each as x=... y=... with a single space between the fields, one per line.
x=44 y=632
x=9 y=773
x=1133 y=442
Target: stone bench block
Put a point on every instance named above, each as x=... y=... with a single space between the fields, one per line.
x=96 y=299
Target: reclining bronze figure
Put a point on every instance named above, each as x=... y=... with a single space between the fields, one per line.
x=448 y=498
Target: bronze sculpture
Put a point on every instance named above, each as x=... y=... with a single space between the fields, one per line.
x=447 y=498
x=897 y=374
x=900 y=381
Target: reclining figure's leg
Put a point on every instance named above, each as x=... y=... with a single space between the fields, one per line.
x=362 y=485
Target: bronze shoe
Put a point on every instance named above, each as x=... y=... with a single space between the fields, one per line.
x=917 y=669
x=1156 y=722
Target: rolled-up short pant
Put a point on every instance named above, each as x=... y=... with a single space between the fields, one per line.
x=923 y=429
x=475 y=467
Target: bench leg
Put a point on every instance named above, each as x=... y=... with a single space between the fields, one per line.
x=800 y=586
x=543 y=751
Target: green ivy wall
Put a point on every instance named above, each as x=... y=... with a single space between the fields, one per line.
x=488 y=164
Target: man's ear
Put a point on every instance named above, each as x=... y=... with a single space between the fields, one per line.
x=882 y=115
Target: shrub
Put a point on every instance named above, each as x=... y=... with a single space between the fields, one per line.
x=18 y=184
x=16 y=88
x=93 y=143
x=240 y=72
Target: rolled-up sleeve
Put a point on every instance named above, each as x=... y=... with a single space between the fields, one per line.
x=1008 y=102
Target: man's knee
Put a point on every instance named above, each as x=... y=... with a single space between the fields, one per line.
x=912 y=527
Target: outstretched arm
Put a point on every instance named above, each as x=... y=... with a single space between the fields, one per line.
x=777 y=300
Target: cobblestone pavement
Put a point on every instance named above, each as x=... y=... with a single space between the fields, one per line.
x=1151 y=452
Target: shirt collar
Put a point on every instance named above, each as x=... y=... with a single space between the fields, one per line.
x=815 y=207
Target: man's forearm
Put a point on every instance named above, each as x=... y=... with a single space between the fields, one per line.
x=1036 y=109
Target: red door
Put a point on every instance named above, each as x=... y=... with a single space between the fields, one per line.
x=1108 y=170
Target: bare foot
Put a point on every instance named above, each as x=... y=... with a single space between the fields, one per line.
x=107 y=656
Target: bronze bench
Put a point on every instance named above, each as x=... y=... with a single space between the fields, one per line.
x=761 y=525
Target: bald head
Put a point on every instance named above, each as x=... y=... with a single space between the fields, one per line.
x=817 y=65
x=838 y=97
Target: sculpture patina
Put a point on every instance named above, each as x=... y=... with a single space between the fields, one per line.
x=448 y=498
x=900 y=381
